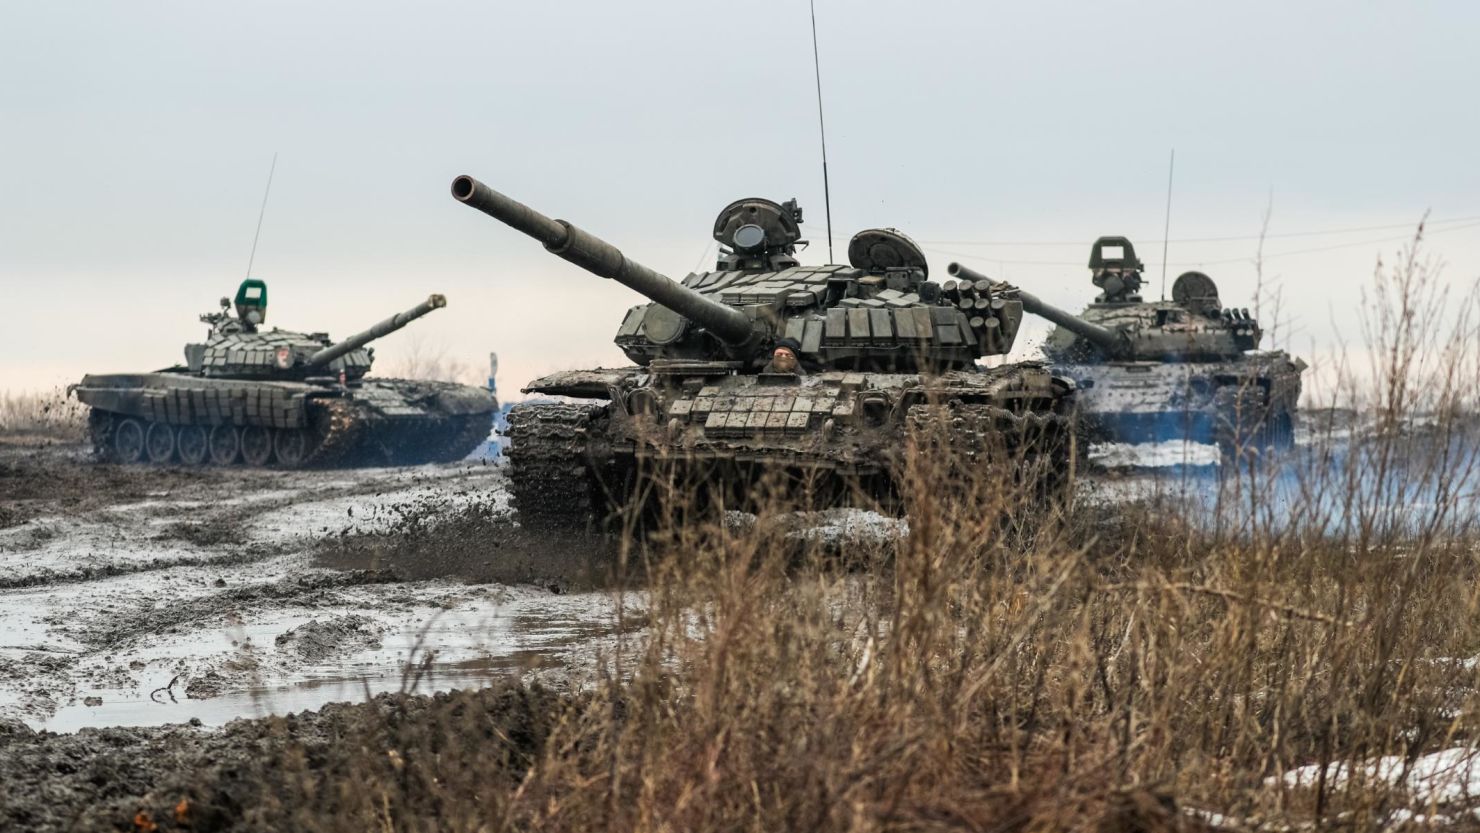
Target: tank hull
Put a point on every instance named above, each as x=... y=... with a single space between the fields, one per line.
x=1251 y=400
x=162 y=417
x=834 y=432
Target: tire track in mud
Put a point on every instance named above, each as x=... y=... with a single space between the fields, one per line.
x=123 y=538
x=313 y=591
x=114 y=590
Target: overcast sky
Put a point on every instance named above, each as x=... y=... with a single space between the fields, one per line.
x=137 y=138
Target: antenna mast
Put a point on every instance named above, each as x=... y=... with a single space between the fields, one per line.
x=262 y=212
x=822 y=129
x=1166 y=231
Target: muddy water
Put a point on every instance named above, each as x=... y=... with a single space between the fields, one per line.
x=485 y=635
x=202 y=598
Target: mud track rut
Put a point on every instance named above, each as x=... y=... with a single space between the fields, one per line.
x=119 y=580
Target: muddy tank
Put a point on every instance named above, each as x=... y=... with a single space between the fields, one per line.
x=879 y=347
x=275 y=397
x=1187 y=368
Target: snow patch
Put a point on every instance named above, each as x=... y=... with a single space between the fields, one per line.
x=1449 y=777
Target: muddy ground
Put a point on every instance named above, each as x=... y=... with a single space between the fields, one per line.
x=155 y=623
x=143 y=609
x=145 y=596
x=270 y=773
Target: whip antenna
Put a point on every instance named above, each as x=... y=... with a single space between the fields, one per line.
x=262 y=212
x=1166 y=230
x=821 y=129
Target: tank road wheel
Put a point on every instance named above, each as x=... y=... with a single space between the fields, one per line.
x=224 y=445
x=290 y=445
x=159 y=442
x=256 y=445
x=128 y=441
x=193 y=444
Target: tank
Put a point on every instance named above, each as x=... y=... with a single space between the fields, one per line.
x=274 y=397
x=1187 y=368
x=878 y=344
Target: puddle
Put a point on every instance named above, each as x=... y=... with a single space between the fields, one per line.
x=472 y=636
x=285 y=699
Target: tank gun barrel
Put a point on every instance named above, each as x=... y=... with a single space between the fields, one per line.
x=386 y=327
x=1106 y=338
x=605 y=260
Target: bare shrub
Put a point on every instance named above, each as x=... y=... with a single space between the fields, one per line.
x=418 y=358
x=50 y=414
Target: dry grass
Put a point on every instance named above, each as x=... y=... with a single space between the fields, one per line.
x=416 y=357
x=1015 y=663
x=50 y=414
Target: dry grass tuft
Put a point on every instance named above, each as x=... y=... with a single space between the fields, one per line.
x=50 y=414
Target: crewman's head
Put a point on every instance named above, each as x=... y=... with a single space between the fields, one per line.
x=784 y=354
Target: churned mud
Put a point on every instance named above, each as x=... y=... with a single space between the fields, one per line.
x=149 y=595
x=135 y=596
x=256 y=774
x=40 y=478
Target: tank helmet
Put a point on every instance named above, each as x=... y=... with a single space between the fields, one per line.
x=789 y=343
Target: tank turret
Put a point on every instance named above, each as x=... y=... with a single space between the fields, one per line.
x=1119 y=326
x=239 y=348
x=381 y=329
x=879 y=312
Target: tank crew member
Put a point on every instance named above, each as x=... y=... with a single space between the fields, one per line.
x=784 y=358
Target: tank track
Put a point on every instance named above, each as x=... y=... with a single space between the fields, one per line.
x=335 y=428
x=1039 y=445
x=1247 y=423
x=430 y=439
x=342 y=435
x=100 y=433
x=465 y=439
x=551 y=465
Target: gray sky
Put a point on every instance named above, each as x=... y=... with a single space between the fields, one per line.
x=137 y=137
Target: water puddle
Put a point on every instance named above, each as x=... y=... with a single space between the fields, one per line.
x=300 y=696
x=464 y=641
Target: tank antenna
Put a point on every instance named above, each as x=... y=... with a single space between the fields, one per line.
x=821 y=129
x=1166 y=231
x=262 y=212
